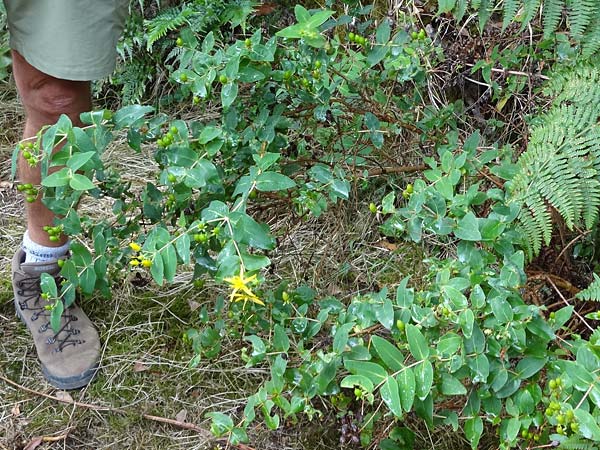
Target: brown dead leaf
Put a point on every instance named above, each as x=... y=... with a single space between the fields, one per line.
x=193 y=305
x=387 y=245
x=140 y=367
x=34 y=443
x=181 y=416
x=16 y=411
x=64 y=396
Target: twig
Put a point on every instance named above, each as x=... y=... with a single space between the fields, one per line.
x=575 y=239
x=554 y=279
x=567 y=303
x=397 y=169
x=185 y=425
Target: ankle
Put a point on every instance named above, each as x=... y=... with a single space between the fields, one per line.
x=36 y=252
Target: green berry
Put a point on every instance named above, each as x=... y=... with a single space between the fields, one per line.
x=30 y=199
x=560 y=419
x=248 y=42
x=414 y=35
x=351 y=37
x=524 y=434
x=172 y=178
x=373 y=207
x=53 y=238
x=174 y=130
x=317 y=64
x=552 y=384
x=196 y=100
x=421 y=35
x=60 y=262
x=574 y=427
x=223 y=79
x=179 y=42
x=26 y=154
x=570 y=415
x=160 y=142
x=183 y=77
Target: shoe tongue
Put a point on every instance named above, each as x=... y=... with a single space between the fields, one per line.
x=49 y=267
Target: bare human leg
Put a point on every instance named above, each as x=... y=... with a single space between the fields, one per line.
x=45 y=98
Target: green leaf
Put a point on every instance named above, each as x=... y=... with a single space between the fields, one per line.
x=57 y=179
x=582 y=379
x=468 y=228
x=183 y=247
x=80 y=182
x=417 y=343
x=318 y=19
x=388 y=353
x=340 y=339
x=78 y=160
x=56 y=315
x=229 y=93
x=452 y=386
x=48 y=285
x=404 y=295
x=281 y=341
x=157 y=269
x=449 y=344
x=372 y=371
x=407 y=385
x=423 y=379
x=473 y=430
x=445 y=6
x=273 y=181
x=129 y=115
x=529 y=366
x=588 y=425
x=221 y=423
x=391 y=396
x=169 y=259
x=501 y=309
x=480 y=366
x=512 y=429
x=357 y=380
x=385 y=313
x=248 y=231
x=208 y=134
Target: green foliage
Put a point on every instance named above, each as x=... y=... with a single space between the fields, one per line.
x=303 y=113
x=561 y=165
x=582 y=16
x=592 y=292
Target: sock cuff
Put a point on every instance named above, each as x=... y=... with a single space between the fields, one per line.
x=41 y=252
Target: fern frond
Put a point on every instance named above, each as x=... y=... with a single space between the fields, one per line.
x=168 y=20
x=551 y=16
x=591 y=42
x=577 y=443
x=561 y=166
x=530 y=10
x=509 y=11
x=581 y=13
x=592 y=292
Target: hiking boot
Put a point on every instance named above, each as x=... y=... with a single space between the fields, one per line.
x=70 y=357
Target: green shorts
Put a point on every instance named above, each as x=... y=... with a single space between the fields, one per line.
x=68 y=39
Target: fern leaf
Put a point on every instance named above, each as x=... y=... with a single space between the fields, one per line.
x=581 y=13
x=530 y=10
x=591 y=41
x=577 y=443
x=509 y=11
x=551 y=16
x=592 y=292
x=168 y=20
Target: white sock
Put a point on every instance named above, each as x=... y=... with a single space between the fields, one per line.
x=40 y=253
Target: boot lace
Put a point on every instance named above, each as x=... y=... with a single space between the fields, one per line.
x=30 y=291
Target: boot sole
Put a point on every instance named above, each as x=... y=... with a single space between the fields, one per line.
x=64 y=383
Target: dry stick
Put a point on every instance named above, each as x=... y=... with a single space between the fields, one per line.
x=562 y=297
x=176 y=423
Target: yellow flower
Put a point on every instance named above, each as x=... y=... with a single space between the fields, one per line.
x=135 y=247
x=240 y=289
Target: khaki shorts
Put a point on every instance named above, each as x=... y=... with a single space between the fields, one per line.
x=68 y=39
